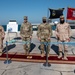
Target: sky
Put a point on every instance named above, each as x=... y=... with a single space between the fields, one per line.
x=34 y=9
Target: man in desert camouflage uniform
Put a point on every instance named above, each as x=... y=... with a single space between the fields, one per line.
x=2 y=35
x=63 y=34
x=44 y=33
x=26 y=34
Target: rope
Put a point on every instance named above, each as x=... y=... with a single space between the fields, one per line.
x=45 y=43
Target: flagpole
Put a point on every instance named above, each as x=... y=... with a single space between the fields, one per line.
x=46 y=64
x=48 y=15
x=67 y=13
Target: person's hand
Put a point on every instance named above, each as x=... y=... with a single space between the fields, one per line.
x=57 y=35
x=21 y=37
x=2 y=38
x=69 y=39
x=30 y=36
x=39 y=38
x=48 y=38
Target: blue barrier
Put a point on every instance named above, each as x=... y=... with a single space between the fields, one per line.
x=68 y=43
x=46 y=43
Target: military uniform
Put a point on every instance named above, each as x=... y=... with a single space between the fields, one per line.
x=44 y=33
x=63 y=34
x=26 y=33
x=2 y=35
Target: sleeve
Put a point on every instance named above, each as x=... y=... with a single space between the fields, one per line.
x=31 y=29
x=38 y=31
x=69 y=31
x=56 y=32
x=50 y=30
x=3 y=32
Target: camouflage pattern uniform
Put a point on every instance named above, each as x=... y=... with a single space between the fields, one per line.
x=44 y=33
x=63 y=33
x=2 y=35
x=26 y=33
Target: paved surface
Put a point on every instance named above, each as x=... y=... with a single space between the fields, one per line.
x=23 y=68
x=27 y=68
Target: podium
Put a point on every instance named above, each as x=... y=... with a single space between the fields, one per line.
x=12 y=29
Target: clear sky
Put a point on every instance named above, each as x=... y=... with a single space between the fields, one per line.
x=34 y=9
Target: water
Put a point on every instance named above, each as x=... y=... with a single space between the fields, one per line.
x=34 y=29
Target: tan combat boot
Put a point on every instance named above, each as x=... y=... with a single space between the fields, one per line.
x=60 y=55
x=48 y=55
x=42 y=54
x=27 y=53
x=29 y=57
x=65 y=55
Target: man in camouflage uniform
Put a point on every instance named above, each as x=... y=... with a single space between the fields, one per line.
x=63 y=34
x=2 y=35
x=26 y=34
x=44 y=33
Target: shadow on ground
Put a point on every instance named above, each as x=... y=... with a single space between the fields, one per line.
x=55 y=49
x=9 y=48
x=32 y=46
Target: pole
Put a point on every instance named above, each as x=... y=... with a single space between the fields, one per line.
x=48 y=15
x=46 y=64
x=7 y=61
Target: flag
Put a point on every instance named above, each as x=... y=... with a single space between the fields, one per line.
x=56 y=13
x=71 y=13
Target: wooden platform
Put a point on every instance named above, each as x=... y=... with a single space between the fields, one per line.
x=21 y=57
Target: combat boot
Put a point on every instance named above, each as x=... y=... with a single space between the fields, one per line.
x=28 y=56
x=65 y=55
x=60 y=55
x=26 y=51
x=48 y=55
x=42 y=54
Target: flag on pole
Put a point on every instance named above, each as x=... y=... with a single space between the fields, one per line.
x=71 y=13
x=56 y=13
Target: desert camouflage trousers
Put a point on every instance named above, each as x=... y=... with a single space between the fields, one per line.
x=42 y=46
x=27 y=44
x=63 y=46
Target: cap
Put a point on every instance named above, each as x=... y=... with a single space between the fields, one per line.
x=25 y=17
x=44 y=18
x=61 y=16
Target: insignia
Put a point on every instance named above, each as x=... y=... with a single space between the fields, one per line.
x=53 y=13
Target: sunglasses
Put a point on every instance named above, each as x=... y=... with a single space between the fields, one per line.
x=25 y=19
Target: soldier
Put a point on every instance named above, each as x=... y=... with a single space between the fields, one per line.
x=63 y=34
x=2 y=35
x=44 y=33
x=26 y=34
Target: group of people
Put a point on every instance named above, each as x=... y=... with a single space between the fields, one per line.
x=44 y=33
